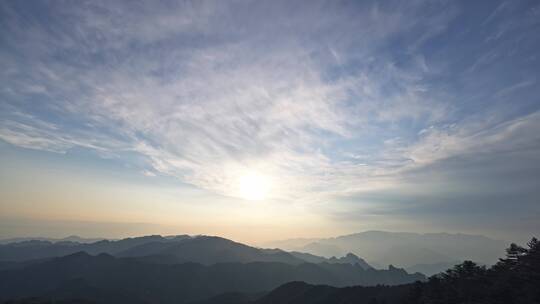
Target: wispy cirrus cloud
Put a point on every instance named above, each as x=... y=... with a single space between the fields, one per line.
x=326 y=99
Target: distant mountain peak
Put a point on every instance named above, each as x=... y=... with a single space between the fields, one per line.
x=76 y=256
x=350 y=258
x=404 y=249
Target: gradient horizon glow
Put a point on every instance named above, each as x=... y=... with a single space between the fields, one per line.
x=260 y=120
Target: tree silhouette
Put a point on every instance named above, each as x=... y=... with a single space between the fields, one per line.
x=514 y=279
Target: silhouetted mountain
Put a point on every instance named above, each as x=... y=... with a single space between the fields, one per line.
x=44 y=249
x=107 y=279
x=167 y=250
x=513 y=280
x=348 y=259
x=403 y=248
x=209 y=250
x=71 y=238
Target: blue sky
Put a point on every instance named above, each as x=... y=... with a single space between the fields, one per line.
x=348 y=115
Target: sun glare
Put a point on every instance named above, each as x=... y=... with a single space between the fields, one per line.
x=254 y=186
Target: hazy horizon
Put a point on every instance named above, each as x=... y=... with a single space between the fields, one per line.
x=87 y=230
x=268 y=120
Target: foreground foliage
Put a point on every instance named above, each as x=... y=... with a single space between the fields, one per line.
x=514 y=279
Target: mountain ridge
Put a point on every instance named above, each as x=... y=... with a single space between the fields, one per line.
x=171 y=249
x=113 y=276
x=406 y=249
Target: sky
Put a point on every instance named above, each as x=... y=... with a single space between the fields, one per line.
x=261 y=120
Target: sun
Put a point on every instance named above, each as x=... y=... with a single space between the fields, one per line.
x=254 y=186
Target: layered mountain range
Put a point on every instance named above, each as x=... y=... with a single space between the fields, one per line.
x=429 y=253
x=206 y=250
x=179 y=269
